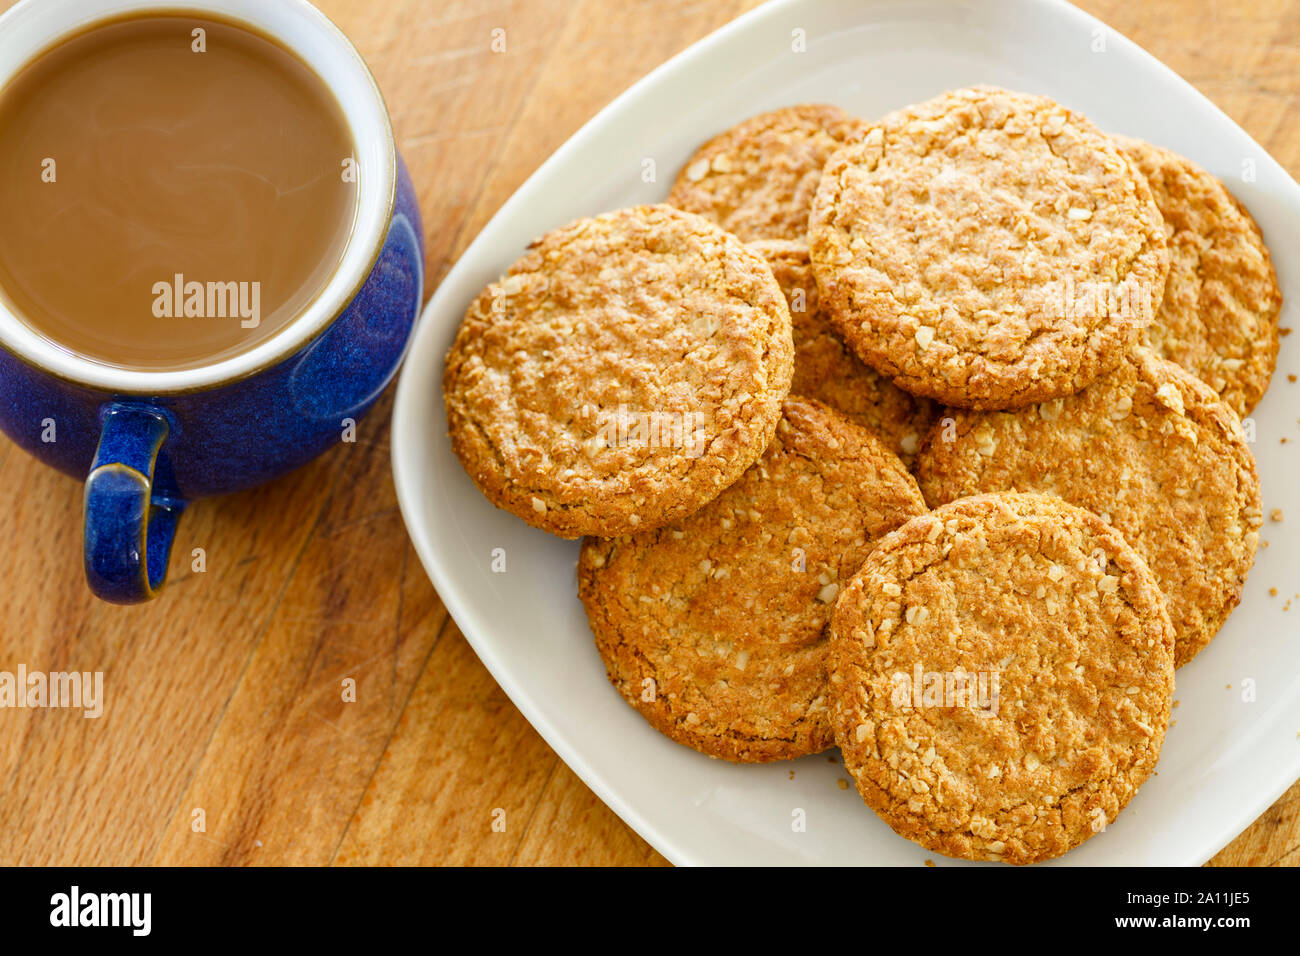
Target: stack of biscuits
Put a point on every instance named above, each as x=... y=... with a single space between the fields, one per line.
x=920 y=437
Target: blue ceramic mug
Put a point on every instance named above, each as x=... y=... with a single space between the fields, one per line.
x=147 y=442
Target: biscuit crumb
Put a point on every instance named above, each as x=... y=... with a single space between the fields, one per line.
x=1275 y=514
x=1169 y=396
x=1272 y=592
x=842 y=783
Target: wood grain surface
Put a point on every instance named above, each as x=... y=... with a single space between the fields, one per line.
x=224 y=701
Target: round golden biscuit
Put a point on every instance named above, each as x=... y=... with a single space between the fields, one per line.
x=1001 y=675
x=623 y=373
x=714 y=627
x=987 y=249
x=1218 y=317
x=1150 y=449
x=757 y=179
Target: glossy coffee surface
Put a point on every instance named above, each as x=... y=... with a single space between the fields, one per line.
x=173 y=191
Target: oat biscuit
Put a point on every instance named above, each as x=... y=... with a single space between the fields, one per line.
x=1151 y=450
x=1050 y=601
x=713 y=627
x=623 y=373
x=828 y=370
x=987 y=249
x=1218 y=318
x=757 y=179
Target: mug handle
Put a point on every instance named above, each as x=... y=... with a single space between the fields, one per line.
x=129 y=522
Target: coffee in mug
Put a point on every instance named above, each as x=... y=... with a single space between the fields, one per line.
x=174 y=189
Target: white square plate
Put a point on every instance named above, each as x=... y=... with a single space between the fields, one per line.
x=1235 y=746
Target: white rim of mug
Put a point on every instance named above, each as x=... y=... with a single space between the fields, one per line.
x=31 y=27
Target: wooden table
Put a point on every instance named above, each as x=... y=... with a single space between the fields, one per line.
x=226 y=739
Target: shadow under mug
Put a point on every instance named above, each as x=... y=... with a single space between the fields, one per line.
x=147 y=442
